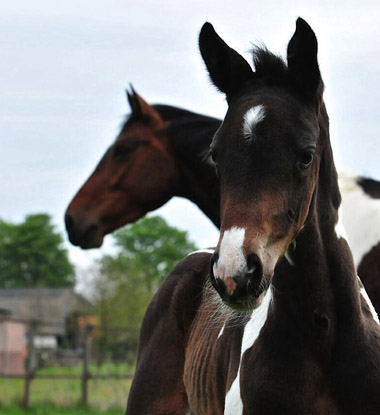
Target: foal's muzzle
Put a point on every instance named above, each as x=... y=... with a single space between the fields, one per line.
x=244 y=289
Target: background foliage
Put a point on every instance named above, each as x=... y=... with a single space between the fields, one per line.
x=146 y=252
x=32 y=254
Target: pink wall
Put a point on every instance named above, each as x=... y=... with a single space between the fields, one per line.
x=12 y=347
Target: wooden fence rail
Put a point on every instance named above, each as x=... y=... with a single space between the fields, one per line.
x=31 y=374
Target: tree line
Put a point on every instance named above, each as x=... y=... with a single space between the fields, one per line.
x=33 y=254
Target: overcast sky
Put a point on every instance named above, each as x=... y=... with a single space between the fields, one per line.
x=64 y=67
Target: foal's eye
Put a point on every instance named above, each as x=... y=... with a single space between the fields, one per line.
x=305 y=159
x=213 y=155
x=122 y=152
x=213 y=158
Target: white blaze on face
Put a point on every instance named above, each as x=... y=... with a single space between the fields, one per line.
x=231 y=257
x=252 y=117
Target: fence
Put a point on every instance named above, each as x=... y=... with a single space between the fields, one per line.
x=87 y=345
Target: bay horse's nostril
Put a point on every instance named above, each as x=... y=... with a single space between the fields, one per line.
x=69 y=222
x=81 y=233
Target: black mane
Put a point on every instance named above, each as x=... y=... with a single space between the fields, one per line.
x=191 y=132
x=170 y=113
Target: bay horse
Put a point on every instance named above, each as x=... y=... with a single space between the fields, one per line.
x=275 y=320
x=158 y=154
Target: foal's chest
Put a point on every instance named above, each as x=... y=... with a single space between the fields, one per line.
x=211 y=365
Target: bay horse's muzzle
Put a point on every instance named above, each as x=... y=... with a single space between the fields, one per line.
x=243 y=290
x=83 y=234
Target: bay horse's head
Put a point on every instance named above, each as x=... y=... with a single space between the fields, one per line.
x=137 y=174
x=267 y=156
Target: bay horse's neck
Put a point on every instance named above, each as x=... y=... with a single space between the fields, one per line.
x=190 y=135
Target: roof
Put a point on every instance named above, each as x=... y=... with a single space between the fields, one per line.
x=50 y=306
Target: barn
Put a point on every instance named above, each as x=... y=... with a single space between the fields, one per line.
x=54 y=312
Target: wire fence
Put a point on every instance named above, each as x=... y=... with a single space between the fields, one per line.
x=80 y=355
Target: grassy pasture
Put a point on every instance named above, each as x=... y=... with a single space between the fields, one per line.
x=62 y=396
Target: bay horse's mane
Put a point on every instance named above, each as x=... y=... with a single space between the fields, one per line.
x=187 y=129
x=170 y=113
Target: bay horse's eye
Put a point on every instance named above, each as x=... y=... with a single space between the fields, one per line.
x=305 y=159
x=122 y=152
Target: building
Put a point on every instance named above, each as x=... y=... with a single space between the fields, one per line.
x=54 y=312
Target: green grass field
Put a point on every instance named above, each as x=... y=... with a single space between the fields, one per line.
x=49 y=409
x=62 y=396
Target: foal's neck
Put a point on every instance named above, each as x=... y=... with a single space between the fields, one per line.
x=322 y=280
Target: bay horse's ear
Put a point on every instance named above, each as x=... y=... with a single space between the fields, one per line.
x=228 y=70
x=141 y=109
x=303 y=66
x=133 y=102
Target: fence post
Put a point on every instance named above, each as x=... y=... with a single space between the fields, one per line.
x=86 y=359
x=30 y=364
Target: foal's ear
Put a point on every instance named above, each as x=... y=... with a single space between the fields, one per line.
x=141 y=109
x=228 y=70
x=303 y=66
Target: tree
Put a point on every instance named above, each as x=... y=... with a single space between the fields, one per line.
x=32 y=254
x=147 y=251
x=154 y=246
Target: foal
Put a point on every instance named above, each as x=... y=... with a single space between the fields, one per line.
x=304 y=340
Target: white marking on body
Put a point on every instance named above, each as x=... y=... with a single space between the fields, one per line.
x=231 y=257
x=252 y=117
x=222 y=330
x=363 y=292
x=200 y=251
x=362 y=216
x=233 y=402
x=339 y=227
x=366 y=298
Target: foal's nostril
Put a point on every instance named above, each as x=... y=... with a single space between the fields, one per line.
x=291 y=215
x=214 y=258
x=216 y=282
x=254 y=268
